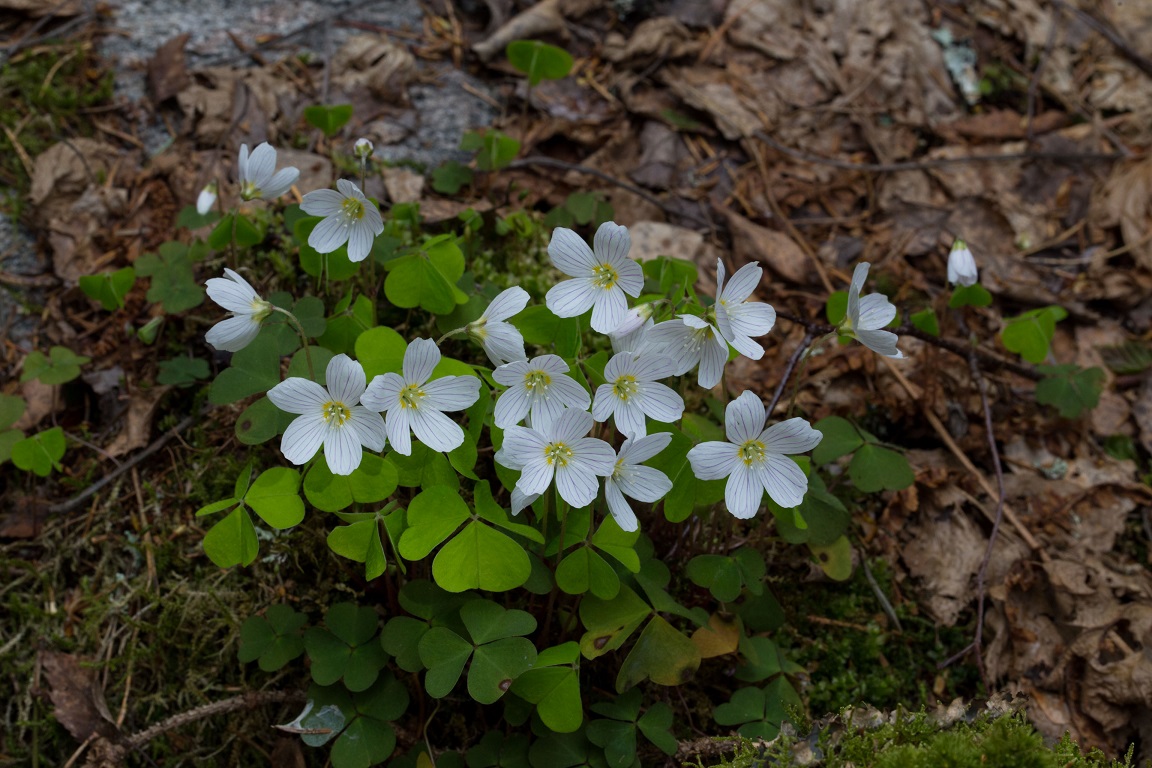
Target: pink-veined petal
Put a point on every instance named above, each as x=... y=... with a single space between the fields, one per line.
x=436 y=430
x=611 y=243
x=303 y=437
x=609 y=309
x=370 y=428
x=322 y=202
x=511 y=407
x=660 y=403
x=570 y=254
x=570 y=426
x=329 y=234
x=743 y=493
x=576 y=484
x=512 y=373
x=280 y=183
x=713 y=357
x=644 y=483
x=342 y=449
x=880 y=342
x=452 y=393
x=713 y=460
x=783 y=479
x=744 y=418
x=859 y=275
x=630 y=278
x=630 y=418
x=604 y=404
x=521 y=445
x=399 y=427
x=621 y=511
x=792 y=436
x=875 y=312
x=346 y=380
x=383 y=392
x=261 y=165
x=535 y=476
x=569 y=392
x=743 y=283
x=507 y=303
x=594 y=454
x=360 y=237
x=503 y=343
x=233 y=333
x=571 y=298
x=636 y=451
x=298 y=395
x=420 y=359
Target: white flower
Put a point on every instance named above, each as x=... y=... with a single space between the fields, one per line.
x=738 y=319
x=363 y=149
x=629 y=478
x=502 y=342
x=962 y=265
x=631 y=392
x=247 y=308
x=690 y=341
x=755 y=459
x=603 y=275
x=206 y=199
x=630 y=335
x=559 y=450
x=868 y=315
x=330 y=417
x=349 y=217
x=414 y=404
x=259 y=177
x=537 y=387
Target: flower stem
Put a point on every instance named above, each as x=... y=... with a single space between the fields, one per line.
x=450 y=334
x=296 y=326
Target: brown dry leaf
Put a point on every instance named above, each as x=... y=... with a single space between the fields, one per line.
x=436 y=211
x=68 y=168
x=403 y=185
x=754 y=243
x=371 y=66
x=661 y=158
x=651 y=239
x=945 y=554
x=1000 y=125
x=663 y=37
x=1127 y=202
x=537 y=20
x=773 y=28
x=709 y=89
x=719 y=636
x=24 y=518
x=37 y=8
x=315 y=170
x=168 y=70
x=78 y=701
x=137 y=431
x=41 y=399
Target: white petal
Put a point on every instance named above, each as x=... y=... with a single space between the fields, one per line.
x=503 y=343
x=571 y=298
x=233 y=293
x=792 y=436
x=713 y=460
x=784 y=481
x=370 y=428
x=751 y=319
x=630 y=419
x=630 y=277
x=612 y=243
x=713 y=357
x=304 y=437
x=297 y=395
x=636 y=451
x=859 y=275
x=604 y=405
x=747 y=347
x=692 y=321
x=618 y=365
x=571 y=255
x=323 y=202
x=644 y=483
x=205 y=200
x=609 y=310
x=329 y=234
x=399 y=430
x=678 y=341
x=744 y=418
x=234 y=333
x=634 y=341
x=436 y=430
x=875 y=312
x=595 y=455
x=451 y=393
x=342 y=449
x=650 y=367
x=280 y=183
x=511 y=407
x=360 y=237
x=661 y=403
x=535 y=476
x=507 y=304
x=553 y=364
x=572 y=425
x=242 y=165
x=522 y=445
x=348 y=189
x=743 y=493
x=721 y=276
x=576 y=484
x=569 y=392
x=383 y=392
x=512 y=373
x=520 y=500
x=420 y=359
x=346 y=379
x=261 y=165
x=621 y=512
x=743 y=283
x=880 y=342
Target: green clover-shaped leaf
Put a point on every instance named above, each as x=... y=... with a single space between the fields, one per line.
x=274 y=638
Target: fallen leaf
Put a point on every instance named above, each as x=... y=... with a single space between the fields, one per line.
x=720 y=636
x=78 y=701
x=775 y=250
x=403 y=185
x=137 y=431
x=168 y=70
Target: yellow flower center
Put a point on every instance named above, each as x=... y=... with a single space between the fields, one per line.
x=353 y=208
x=751 y=452
x=334 y=411
x=558 y=454
x=411 y=395
x=536 y=381
x=604 y=276
x=249 y=191
x=616 y=470
x=625 y=387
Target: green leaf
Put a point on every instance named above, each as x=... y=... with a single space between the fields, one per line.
x=40 y=453
x=463 y=458
x=539 y=61
x=182 y=371
x=425 y=468
x=836 y=308
x=487 y=621
x=262 y=421
x=401 y=638
x=609 y=623
x=361 y=543
x=1070 y=388
x=926 y=321
x=190 y=218
x=374 y=480
x=450 y=177
x=173 y=283
x=479 y=557
x=232 y=541
x=380 y=350
x=488 y=509
x=874 y=468
x=656 y=725
x=1030 y=334
x=974 y=295
x=336 y=264
x=718 y=574
x=582 y=570
x=835 y=559
x=8 y=439
x=496 y=665
x=1128 y=357
x=840 y=437
x=328 y=118
x=274 y=638
x=275 y=496
x=443 y=653
x=109 y=288
x=662 y=654
x=11 y=409
x=347 y=323
x=618 y=739
x=613 y=540
x=555 y=690
x=353 y=624
x=432 y=517
x=256 y=368
x=246 y=233
x=59 y=366
x=346 y=650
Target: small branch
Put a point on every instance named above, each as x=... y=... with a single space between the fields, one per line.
x=791 y=366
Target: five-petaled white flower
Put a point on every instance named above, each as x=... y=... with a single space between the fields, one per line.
x=414 y=404
x=632 y=392
x=259 y=177
x=737 y=318
x=206 y=199
x=537 y=387
x=330 y=417
x=562 y=451
x=602 y=275
x=755 y=459
x=502 y=341
x=629 y=478
x=962 y=265
x=868 y=315
x=247 y=308
x=349 y=217
x=690 y=341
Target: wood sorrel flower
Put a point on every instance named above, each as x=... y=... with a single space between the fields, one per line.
x=690 y=341
x=537 y=387
x=248 y=311
x=414 y=404
x=629 y=478
x=602 y=275
x=349 y=217
x=259 y=177
x=755 y=459
x=206 y=199
x=559 y=450
x=737 y=318
x=631 y=391
x=869 y=314
x=330 y=416
x=962 y=265
x=502 y=341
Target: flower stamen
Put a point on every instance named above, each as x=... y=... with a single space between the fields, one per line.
x=751 y=452
x=411 y=395
x=625 y=387
x=537 y=380
x=558 y=453
x=604 y=276
x=335 y=411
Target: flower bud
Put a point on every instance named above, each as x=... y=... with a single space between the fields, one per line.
x=961 y=265
x=363 y=149
x=207 y=198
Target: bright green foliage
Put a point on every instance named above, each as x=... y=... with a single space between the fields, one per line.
x=232 y=541
x=662 y=654
x=255 y=369
x=926 y=321
x=974 y=295
x=273 y=639
x=553 y=685
x=109 y=288
x=182 y=371
x=759 y=711
x=173 y=283
x=11 y=409
x=1030 y=334
x=360 y=721
x=617 y=734
x=190 y=218
x=350 y=318
x=873 y=467
x=427 y=277
x=584 y=570
x=836 y=307
x=374 y=480
x=450 y=177
x=234 y=229
x=1070 y=388
x=583 y=208
x=262 y=421
x=820 y=519
x=425 y=468
x=335 y=265
x=539 y=61
x=347 y=649
x=328 y=119
x=59 y=366
x=494 y=150
x=542 y=328
x=40 y=453
x=275 y=496
x=673 y=278
x=360 y=540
